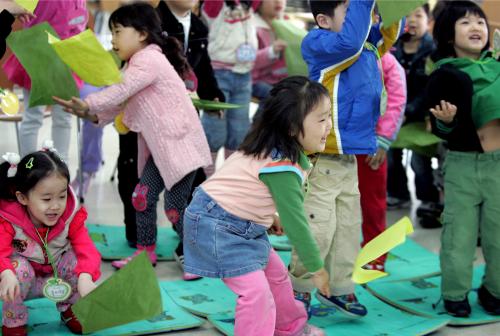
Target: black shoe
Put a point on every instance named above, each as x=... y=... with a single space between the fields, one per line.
x=394 y=203
x=426 y=209
x=457 y=308
x=489 y=303
x=430 y=222
x=179 y=255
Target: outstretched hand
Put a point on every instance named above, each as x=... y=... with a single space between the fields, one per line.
x=445 y=111
x=77 y=107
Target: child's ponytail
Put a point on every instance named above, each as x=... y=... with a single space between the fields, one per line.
x=6 y=183
x=172 y=49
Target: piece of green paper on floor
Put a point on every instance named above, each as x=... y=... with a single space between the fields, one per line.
x=87 y=58
x=416 y=137
x=49 y=75
x=129 y=295
x=393 y=10
x=293 y=35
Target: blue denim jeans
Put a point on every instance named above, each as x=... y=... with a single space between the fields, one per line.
x=230 y=130
x=218 y=244
x=261 y=90
x=92 y=138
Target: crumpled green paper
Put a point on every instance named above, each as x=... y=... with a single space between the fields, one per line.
x=49 y=75
x=87 y=58
x=131 y=294
x=293 y=36
x=393 y=10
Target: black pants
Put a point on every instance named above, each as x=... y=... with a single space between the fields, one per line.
x=127 y=180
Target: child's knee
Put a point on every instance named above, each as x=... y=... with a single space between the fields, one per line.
x=23 y=269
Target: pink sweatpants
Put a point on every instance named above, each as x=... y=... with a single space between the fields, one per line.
x=266 y=305
x=16 y=313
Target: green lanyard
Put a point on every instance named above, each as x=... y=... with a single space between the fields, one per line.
x=47 y=251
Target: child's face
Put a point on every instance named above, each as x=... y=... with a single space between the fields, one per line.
x=126 y=41
x=46 y=202
x=418 y=23
x=336 y=22
x=317 y=125
x=181 y=5
x=272 y=8
x=471 y=36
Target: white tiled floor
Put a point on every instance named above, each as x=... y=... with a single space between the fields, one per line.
x=104 y=207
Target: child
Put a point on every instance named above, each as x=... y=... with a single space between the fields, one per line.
x=412 y=51
x=68 y=18
x=226 y=223
x=270 y=66
x=232 y=46
x=179 y=22
x=171 y=142
x=463 y=96
x=341 y=55
x=43 y=236
x=372 y=169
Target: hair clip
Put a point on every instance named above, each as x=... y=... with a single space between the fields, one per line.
x=164 y=34
x=48 y=146
x=29 y=164
x=13 y=159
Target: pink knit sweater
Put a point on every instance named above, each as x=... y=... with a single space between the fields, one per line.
x=157 y=106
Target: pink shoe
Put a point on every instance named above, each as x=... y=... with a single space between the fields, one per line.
x=150 y=250
x=310 y=330
x=190 y=276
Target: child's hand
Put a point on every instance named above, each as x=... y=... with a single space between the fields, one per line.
x=321 y=281
x=9 y=286
x=85 y=284
x=374 y=161
x=276 y=227
x=444 y=112
x=279 y=46
x=77 y=107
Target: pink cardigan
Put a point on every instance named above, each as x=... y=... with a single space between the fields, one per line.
x=267 y=69
x=395 y=83
x=157 y=106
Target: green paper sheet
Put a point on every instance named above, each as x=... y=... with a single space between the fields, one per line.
x=393 y=10
x=417 y=297
x=414 y=136
x=280 y=243
x=44 y=320
x=203 y=104
x=29 y=5
x=382 y=319
x=111 y=243
x=293 y=36
x=87 y=58
x=49 y=75
x=131 y=294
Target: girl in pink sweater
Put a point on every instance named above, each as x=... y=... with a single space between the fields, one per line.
x=156 y=105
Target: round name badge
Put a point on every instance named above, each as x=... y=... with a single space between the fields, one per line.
x=56 y=290
x=246 y=53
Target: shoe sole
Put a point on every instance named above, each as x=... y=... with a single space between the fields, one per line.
x=328 y=303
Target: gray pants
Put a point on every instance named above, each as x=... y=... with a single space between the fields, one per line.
x=32 y=122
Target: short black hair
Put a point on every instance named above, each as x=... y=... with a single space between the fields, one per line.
x=325 y=7
x=279 y=123
x=444 y=27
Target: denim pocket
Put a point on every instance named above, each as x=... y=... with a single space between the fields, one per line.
x=244 y=229
x=191 y=221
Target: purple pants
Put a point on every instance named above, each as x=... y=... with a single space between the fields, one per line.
x=91 y=138
x=15 y=313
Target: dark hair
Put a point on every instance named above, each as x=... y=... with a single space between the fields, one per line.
x=281 y=119
x=144 y=18
x=325 y=7
x=426 y=9
x=444 y=27
x=30 y=170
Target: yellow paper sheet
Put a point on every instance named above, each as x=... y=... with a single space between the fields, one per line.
x=383 y=243
x=29 y=5
x=87 y=58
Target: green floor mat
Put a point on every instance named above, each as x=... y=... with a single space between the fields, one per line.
x=382 y=319
x=280 y=243
x=111 y=243
x=44 y=320
x=410 y=261
x=417 y=297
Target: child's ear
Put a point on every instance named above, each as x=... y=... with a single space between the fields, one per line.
x=323 y=21
x=21 y=198
x=143 y=36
